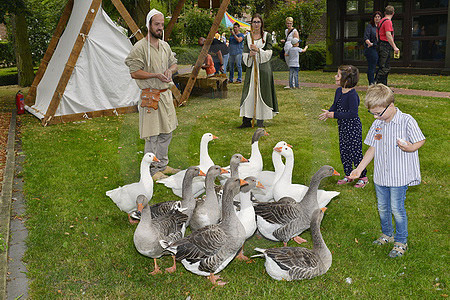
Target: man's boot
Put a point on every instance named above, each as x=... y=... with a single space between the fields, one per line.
x=260 y=123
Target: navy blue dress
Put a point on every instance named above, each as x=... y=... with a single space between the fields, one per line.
x=345 y=108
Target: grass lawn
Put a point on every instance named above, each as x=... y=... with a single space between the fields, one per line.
x=81 y=245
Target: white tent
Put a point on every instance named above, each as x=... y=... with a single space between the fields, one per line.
x=100 y=80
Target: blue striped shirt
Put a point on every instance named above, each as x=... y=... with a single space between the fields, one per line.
x=393 y=166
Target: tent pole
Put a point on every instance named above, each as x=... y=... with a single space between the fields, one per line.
x=128 y=19
x=193 y=77
x=31 y=96
x=68 y=69
x=173 y=20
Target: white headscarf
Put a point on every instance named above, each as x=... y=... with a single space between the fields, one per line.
x=149 y=16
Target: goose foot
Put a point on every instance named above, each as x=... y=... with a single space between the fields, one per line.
x=156 y=270
x=299 y=240
x=213 y=278
x=241 y=256
x=131 y=220
x=172 y=268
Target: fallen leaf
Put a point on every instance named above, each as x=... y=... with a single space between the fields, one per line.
x=356 y=241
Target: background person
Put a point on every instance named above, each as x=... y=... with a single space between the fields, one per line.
x=370 y=46
x=266 y=99
x=386 y=44
x=293 y=61
x=236 y=48
x=152 y=63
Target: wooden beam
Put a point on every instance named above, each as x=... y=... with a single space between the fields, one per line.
x=93 y=114
x=187 y=91
x=31 y=96
x=173 y=20
x=68 y=69
x=128 y=19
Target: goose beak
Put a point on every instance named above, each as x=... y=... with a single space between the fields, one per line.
x=242 y=182
x=336 y=173
x=278 y=149
x=155 y=159
x=215 y=137
x=260 y=185
x=140 y=207
x=243 y=159
x=223 y=171
x=200 y=173
x=323 y=209
x=266 y=133
x=290 y=146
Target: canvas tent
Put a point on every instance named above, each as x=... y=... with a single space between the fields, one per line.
x=100 y=80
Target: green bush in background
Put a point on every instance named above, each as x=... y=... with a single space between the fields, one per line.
x=6 y=54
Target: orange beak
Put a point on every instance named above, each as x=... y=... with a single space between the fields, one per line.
x=260 y=185
x=278 y=149
x=290 y=146
x=201 y=173
x=323 y=209
x=223 y=171
x=266 y=133
x=140 y=207
x=244 y=160
x=336 y=173
x=242 y=182
x=155 y=159
x=214 y=137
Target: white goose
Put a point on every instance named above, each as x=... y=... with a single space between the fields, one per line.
x=297 y=263
x=269 y=178
x=254 y=165
x=285 y=188
x=175 y=182
x=210 y=249
x=246 y=213
x=149 y=231
x=125 y=197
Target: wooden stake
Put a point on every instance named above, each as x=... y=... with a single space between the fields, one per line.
x=128 y=19
x=255 y=83
x=84 y=31
x=173 y=20
x=31 y=96
x=187 y=91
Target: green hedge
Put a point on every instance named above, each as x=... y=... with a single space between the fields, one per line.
x=187 y=55
x=6 y=54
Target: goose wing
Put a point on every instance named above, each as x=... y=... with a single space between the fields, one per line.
x=301 y=263
x=276 y=212
x=291 y=229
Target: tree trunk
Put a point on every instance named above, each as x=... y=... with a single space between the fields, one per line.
x=22 y=49
x=139 y=14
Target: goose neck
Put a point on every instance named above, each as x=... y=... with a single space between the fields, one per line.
x=288 y=168
x=205 y=160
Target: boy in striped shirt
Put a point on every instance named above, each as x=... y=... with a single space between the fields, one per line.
x=393 y=141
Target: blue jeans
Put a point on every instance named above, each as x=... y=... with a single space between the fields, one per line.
x=372 y=61
x=236 y=59
x=391 y=201
x=225 y=62
x=293 y=77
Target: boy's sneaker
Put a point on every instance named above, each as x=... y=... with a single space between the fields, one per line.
x=344 y=180
x=362 y=182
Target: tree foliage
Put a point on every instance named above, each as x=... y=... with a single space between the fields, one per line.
x=306 y=15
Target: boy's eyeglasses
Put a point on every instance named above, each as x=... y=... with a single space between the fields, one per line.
x=379 y=114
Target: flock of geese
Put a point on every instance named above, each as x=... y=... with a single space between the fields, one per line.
x=248 y=199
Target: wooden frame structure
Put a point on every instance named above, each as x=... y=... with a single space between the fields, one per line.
x=49 y=117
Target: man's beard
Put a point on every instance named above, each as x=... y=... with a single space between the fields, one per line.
x=156 y=35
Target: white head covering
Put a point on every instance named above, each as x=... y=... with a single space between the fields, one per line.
x=149 y=16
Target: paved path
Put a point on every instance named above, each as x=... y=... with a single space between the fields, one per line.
x=399 y=91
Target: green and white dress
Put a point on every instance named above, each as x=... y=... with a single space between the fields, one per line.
x=266 y=104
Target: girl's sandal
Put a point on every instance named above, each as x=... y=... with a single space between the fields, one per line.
x=344 y=180
x=383 y=239
x=398 y=250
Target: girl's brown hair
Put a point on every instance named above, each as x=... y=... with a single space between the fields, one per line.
x=349 y=76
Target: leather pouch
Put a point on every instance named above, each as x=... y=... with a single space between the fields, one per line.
x=150 y=98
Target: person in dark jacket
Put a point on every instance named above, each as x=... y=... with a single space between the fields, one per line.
x=370 y=46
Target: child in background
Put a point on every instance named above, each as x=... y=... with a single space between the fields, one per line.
x=208 y=66
x=393 y=140
x=345 y=110
x=292 y=57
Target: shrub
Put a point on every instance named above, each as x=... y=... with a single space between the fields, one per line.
x=6 y=54
x=186 y=55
